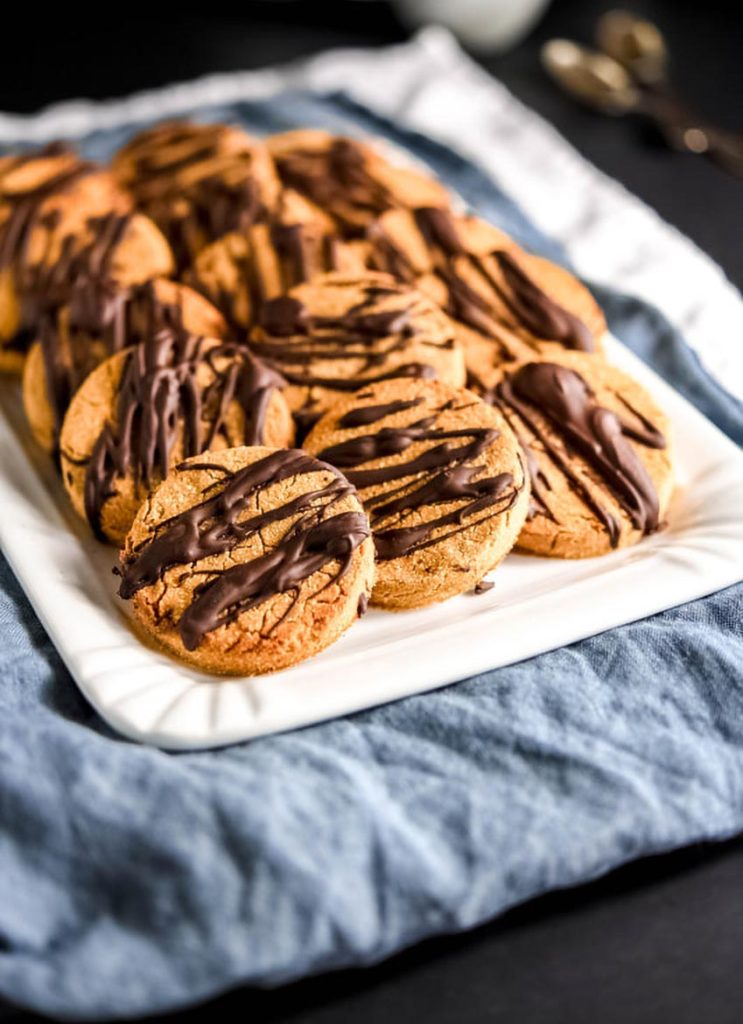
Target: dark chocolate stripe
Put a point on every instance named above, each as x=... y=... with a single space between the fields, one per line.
x=218 y=524
x=159 y=396
x=453 y=480
x=595 y=433
x=336 y=180
x=293 y=338
x=25 y=206
x=531 y=311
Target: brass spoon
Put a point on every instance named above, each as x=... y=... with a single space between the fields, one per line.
x=639 y=46
x=604 y=84
x=593 y=78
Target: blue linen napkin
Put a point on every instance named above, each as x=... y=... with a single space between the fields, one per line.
x=134 y=881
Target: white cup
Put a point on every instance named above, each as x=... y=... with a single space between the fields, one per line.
x=482 y=25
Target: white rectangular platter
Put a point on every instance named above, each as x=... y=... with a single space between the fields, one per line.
x=536 y=605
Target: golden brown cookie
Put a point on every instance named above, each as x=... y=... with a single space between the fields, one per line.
x=440 y=474
x=598 y=452
x=149 y=407
x=45 y=193
x=119 y=249
x=242 y=270
x=349 y=179
x=101 y=318
x=249 y=561
x=197 y=181
x=506 y=304
x=340 y=331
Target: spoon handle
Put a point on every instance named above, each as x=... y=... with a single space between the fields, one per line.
x=685 y=131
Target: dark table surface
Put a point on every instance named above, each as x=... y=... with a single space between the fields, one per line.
x=659 y=940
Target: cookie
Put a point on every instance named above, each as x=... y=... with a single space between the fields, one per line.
x=598 y=453
x=349 y=179
x=341 y=331
x=119 y=249
x=441 y=476
x=197 y=181
x=506 y=304
x=248 y=561
x=147 y=408
x=49 y=192
x=242 y=270
x=101 y=318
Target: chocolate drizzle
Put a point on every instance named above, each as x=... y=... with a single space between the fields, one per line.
x=337 y=180
x=102 y=318
x=293 y=339
x=224 y=520
x=25 y=206
x=365 y=415
x=191 y=186
x=441 y=473
x=301 y=253
x=51 y=281
x=593 y=432
x=161 y=402
x=522 y=306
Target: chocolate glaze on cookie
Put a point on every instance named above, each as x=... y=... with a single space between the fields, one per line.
x=454 y=470
x=335 y=180
x=351 y=181
x=218 y=524
x=25 y=204
x=264 y=264
x=49 y=283
x=365 y=343
x=441 y=478
x=197 y=181
x=595 y=433
x=102 y=318
x=490 y=292
x=159 y=397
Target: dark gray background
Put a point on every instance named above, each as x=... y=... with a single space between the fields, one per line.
x=661 y=940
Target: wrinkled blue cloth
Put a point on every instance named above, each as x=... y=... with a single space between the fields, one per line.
x=134 y=881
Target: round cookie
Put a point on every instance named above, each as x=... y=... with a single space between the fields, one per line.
x=505 y=303
x=249 y=561
x=341 y=331
x=197 y=181
x=441 y=477
x=120 y=249
x=349 y=179
x=598 y=452
x=242 y=270
x=101 y=318
x=145 y=409
x=49 y=190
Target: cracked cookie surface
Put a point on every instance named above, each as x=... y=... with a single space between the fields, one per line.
x=441 y=476
x=249 y=560
x=149 y=407
x=598 y=450
x=341 y=331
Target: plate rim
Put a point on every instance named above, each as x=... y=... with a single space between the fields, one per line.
x=683 y=582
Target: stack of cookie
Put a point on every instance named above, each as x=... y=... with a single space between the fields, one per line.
x=186 y=318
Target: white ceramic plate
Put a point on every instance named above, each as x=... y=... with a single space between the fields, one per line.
x=536 y=605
